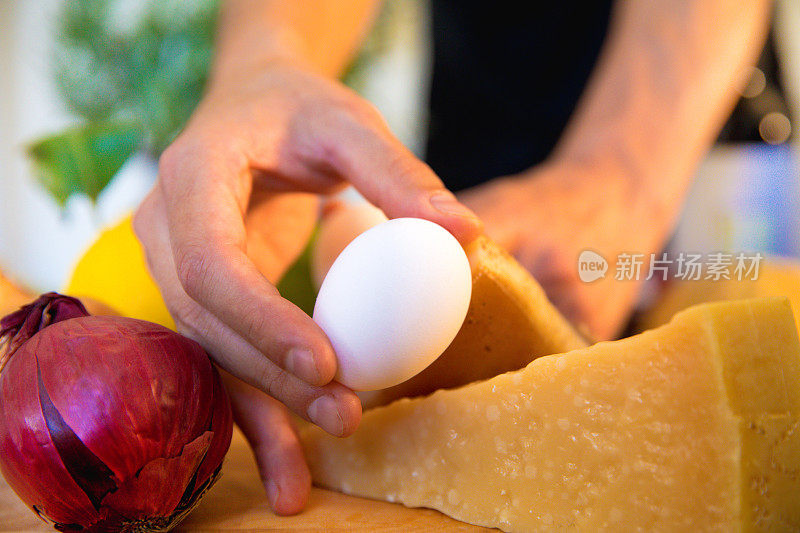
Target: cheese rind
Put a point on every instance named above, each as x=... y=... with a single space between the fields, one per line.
x=647 y=432
x=510 y=322
x=749 y=341
x=771 y=473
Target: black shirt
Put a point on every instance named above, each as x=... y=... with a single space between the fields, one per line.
x=506 y=77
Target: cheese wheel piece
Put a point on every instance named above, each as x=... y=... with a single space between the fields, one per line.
x=510 y=322
x=693 y=426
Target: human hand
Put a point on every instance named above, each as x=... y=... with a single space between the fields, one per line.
x=233 y=206
x=546 y=216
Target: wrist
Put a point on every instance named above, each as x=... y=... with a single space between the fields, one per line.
x=618 y=177
x=233 y=78
x=236 y=61
x=614 y=196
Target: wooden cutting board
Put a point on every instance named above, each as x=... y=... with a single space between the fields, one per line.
x=237 y=502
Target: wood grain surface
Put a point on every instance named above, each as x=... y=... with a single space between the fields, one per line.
x=238 y=503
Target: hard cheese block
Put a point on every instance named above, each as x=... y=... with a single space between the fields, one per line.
x=692 y=426
x=510 y=322
x=776 y=277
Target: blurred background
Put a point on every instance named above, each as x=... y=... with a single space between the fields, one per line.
x=97 y=88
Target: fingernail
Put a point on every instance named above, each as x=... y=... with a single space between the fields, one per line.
x=301 y=363
x=446 y=203
x=273 y=492
x=324 y=412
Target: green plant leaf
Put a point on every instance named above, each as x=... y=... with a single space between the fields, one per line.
x=83 y=159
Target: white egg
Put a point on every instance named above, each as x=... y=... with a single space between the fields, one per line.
x=393 y=301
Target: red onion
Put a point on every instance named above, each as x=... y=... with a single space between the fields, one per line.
x=107 y=423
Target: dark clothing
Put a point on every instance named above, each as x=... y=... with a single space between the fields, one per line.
x=506 y=77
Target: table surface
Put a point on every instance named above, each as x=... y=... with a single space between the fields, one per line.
x=237 y=502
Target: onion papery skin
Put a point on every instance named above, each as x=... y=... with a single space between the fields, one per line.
x=109 y=423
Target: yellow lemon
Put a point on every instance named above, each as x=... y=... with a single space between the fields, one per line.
x=113 y=271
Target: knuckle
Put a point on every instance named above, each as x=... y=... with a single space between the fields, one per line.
x=274 y=381
x=185 y=153
x=255 y=325
x=358 y=107
x=167 y=162
x=362 y=110
x=276 y=449
x=400 y=166
x=406 y=174
x=142 y=217
x=192 y=264
x=352 y=116
x=283 y=444
x=188 y=318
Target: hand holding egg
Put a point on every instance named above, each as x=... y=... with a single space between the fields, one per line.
x=393 y=301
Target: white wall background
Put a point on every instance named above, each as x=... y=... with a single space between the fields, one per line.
x=38 y=241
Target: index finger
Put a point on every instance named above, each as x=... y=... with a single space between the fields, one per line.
x=391 y=177
x=205 y=216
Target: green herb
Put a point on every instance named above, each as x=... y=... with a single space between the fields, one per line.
x=82 y=160
x=136 y=73
x=134 y=80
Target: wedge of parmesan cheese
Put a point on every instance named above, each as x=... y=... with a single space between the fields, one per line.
x=510 y=322
x=694 y=426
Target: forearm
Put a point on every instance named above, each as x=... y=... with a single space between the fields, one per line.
x=322 y=35
x=666 y=81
